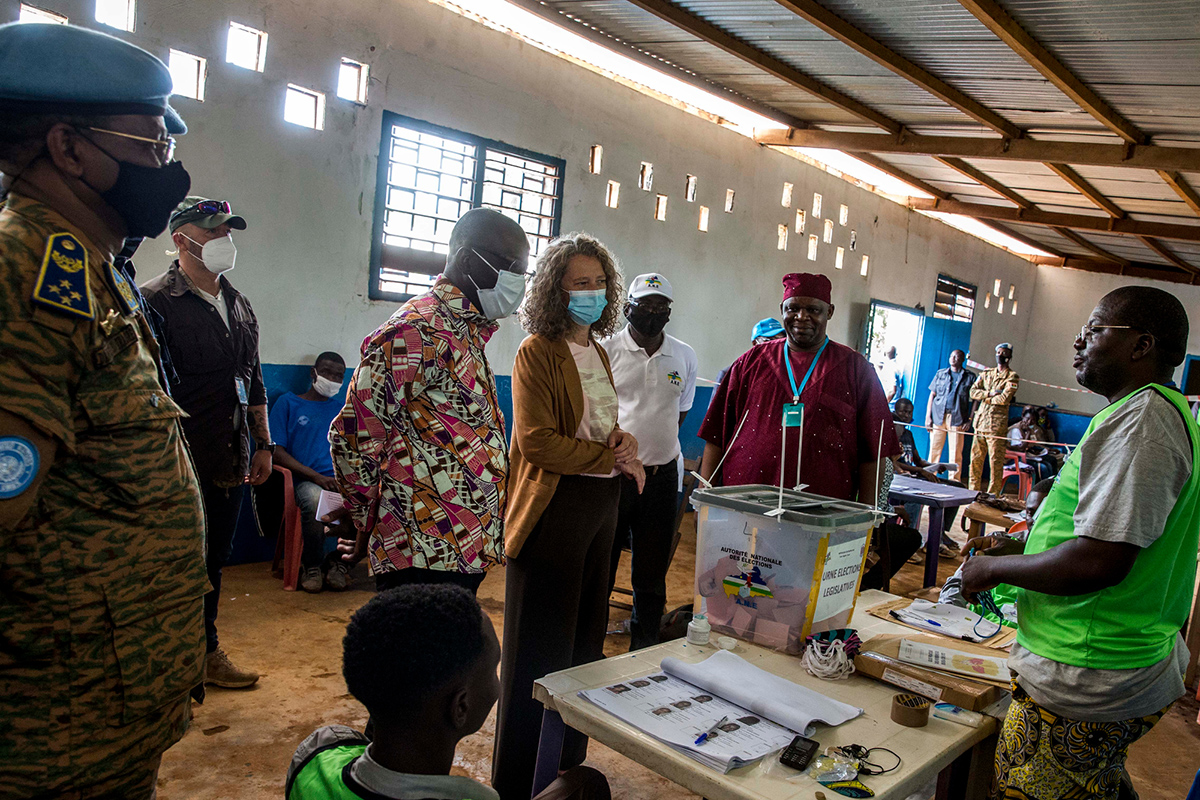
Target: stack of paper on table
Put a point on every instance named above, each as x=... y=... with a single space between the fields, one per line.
x=915 y=663
x=685 y=700
x=943 y=619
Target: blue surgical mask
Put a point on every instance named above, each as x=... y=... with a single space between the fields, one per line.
x=586 y=307
x=501 y=300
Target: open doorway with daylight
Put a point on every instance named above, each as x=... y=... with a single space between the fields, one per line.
x=892 y=344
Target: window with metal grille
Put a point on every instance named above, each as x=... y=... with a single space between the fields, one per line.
x=429 y=176
x=954 y=300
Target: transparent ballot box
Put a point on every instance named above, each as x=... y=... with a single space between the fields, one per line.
x=775 y=579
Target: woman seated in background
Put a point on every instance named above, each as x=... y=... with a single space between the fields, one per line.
x=1024 y=437
x=566 y=454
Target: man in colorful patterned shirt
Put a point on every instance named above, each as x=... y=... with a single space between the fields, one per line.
x=419 y=448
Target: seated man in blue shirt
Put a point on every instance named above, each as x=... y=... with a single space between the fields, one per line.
x=422 y=658
x=300 y=428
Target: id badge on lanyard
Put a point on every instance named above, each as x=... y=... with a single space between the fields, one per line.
x=793 y=412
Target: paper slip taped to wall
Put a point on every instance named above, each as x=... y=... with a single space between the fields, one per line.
x=676 y=713
x=973 y=665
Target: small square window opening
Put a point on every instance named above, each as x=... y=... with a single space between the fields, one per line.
x=865 y=263
x=704 y=219
x=987 y=300
x=996 y=288
x=800 y=220
x=304 y=107
x=646 y=176
x=786 y=201
x=839 y=258
x=34 y=14
x=660 y=207
x=352 y=81
x=1012 y=291
x=117 y=14
x=817 y=206
x=812 y=247
x=843 y=214
x=729 y=201
x=689 y=188
x=188 y=73
x=596 y=160
x=828 y=237
x=781 y=237
x=612 y=195
x=1014 y=308
x=1000 y=306
x=246 y=47
x=853 y=240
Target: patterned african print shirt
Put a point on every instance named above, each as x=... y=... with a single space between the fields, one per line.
x=419 y=448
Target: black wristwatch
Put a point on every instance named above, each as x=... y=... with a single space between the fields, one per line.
x=268 y=446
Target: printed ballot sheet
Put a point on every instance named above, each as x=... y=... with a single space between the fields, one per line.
x=676 y=712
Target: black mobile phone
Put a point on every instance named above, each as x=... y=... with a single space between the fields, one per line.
x=797 y=754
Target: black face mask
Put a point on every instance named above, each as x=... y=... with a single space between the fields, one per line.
x=144 y=197
x=649 y=324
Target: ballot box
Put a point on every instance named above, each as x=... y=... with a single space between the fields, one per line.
x=774 y=578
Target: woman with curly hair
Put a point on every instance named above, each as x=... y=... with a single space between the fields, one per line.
x=566 y=454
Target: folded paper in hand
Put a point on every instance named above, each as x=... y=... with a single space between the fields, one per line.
x=329 y=501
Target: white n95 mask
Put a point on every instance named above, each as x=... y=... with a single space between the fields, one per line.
x=217 y=255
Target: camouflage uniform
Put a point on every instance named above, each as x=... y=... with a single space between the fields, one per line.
x=101 y=632
x=991 y=419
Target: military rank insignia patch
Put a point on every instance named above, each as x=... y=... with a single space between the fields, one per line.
x=125 y=291
x=62 y=285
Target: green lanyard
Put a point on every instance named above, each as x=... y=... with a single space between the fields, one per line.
x=787 y=359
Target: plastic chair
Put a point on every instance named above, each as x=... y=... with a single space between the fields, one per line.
x=277 y=514
x=1020 y=470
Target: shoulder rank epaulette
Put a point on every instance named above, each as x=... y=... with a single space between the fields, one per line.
x=124 y=290
x=63 y=285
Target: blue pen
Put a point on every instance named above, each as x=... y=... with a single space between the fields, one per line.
x=704 y=736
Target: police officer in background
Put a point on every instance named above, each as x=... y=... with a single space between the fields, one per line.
x=101 y=528
x=211 y=332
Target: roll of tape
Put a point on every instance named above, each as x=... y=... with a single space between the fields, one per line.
x=910 y=710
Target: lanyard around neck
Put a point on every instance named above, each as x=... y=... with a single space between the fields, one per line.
x=787 y=359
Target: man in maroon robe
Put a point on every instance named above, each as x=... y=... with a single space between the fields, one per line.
x=844 y=408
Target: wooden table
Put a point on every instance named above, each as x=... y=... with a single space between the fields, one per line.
x=959 y=756
x=905 y=490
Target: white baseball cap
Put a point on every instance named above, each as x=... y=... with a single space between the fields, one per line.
x=648 y=284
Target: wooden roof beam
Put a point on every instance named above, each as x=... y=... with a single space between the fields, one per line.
x=962 y=167
x=717 y=37
x=1051 y=219
x=1162 y=250
x=1182 y=188
x=997 y=20
x=1174 y=159
x=899 y=174
x=1025 y=240
x=1134 y=270
x=1104 y=255
x=815 y=14
x=1079 y=184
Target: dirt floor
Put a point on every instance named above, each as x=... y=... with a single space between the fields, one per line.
x=241 y=742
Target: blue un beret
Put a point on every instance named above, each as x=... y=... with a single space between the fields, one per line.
x=64 y=69
x=765 y=329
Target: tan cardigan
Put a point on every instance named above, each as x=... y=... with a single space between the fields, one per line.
x=547 y=409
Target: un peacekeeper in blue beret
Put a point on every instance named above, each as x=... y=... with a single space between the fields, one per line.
x=101 y=529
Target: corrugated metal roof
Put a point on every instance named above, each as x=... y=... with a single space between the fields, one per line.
x=1141 y=56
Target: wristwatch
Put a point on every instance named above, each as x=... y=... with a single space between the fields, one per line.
x=267 y=446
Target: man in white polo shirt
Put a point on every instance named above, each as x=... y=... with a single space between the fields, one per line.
x=655 y=377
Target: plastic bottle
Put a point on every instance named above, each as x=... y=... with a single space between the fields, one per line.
x=698 y=630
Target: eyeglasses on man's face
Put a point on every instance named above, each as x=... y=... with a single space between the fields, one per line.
x=163 y=148
x=1088 y=332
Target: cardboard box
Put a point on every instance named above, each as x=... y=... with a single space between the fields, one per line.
x=879 y=659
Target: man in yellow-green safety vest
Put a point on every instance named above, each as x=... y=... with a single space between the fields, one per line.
x=1105 y=582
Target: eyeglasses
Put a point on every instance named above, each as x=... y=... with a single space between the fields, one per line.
x=211 y=207
x=163 y=148
x=1088 y=331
